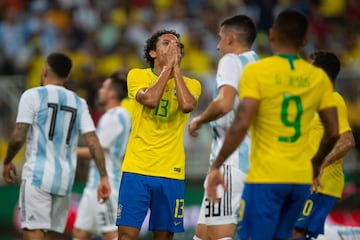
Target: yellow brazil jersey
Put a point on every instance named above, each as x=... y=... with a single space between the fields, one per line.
x=290 y=91
x=125 y=103
x=155 y=146
x=333 y=175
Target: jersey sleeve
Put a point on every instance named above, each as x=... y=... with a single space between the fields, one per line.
x=86 y=122
x=228 y=72
x=194 y=87
x=26 y=109
x=137 y=80
x=344 y=125
x=249 y=85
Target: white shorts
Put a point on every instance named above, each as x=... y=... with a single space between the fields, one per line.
x=42 y=210
x=224 y=211
x=94 y=217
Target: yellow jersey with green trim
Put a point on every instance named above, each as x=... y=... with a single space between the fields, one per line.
x=332 y=178
x=156 y=142
x=290 y=91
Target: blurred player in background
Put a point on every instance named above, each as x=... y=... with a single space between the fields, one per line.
x=49 y=119
x=218 y=219
x=311 y=221
x=113 y=131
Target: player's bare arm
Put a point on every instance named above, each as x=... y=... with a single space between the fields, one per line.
x=16 y=141
x=96 y=152
x=187 y=101
x=329 y=120
x=221 y=105
x=345 y=143
x=98 y=156
x=84 y=153
x=151 y=96
x=244 y=115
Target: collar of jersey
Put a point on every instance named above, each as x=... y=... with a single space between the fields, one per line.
x=289 y=56
x=153 y=71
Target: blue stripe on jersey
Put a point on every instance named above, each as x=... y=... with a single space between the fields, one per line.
x=40 y=161
x=58 y=140
x=215 y=91
x=72 y=143
x=243 y=151
x=120 y=145
x=244 y=60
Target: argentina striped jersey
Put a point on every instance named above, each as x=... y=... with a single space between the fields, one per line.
x=113 y=131
x=229 y=73
x=56 y=116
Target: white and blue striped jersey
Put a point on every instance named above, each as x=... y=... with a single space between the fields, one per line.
x=56 y=116
x=113 y=131
x=229 y=72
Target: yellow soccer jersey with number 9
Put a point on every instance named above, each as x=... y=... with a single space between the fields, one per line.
x=156 y=143
x=290 y=91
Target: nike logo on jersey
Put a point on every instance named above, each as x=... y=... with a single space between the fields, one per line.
x=177 y=223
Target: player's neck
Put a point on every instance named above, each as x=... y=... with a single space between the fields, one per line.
x=111 y=104
x=284 y=49
x=53 y=82
x=240 y=50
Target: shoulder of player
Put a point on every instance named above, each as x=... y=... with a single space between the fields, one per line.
x=339 y=99
x=139 y=70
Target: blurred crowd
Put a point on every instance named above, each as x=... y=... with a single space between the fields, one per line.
x=109 y=35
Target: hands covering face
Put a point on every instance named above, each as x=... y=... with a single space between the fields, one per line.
x=172 y=53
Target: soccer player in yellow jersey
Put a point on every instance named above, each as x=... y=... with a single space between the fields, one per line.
x=153 y=169
x=279 y=97
x=311 y=220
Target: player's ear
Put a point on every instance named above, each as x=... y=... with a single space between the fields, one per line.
x=45 y=70
x=304 y=42
x=152 y=53
x=271 y=34
x=230 y=37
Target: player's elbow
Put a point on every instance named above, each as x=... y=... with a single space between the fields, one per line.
x=187 y=108
x=350 y=140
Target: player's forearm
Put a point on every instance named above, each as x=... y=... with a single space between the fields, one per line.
x=151 y=96
x=233 y=138
x=187 y=101
x=326 y=145
x=212 y=112
x=96 y=152
x=331 y=135
x=345 y=143
x=16 y=141
x=84 y=153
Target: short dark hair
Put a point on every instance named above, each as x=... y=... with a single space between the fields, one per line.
x=291 y=27
x=152 y=41
x=119 y=84
x=243 y=26
x=60 y=64
x=327 y=61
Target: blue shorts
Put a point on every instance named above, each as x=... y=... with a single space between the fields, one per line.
x=270 y=211
x=163 y=196
x=316 y=209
